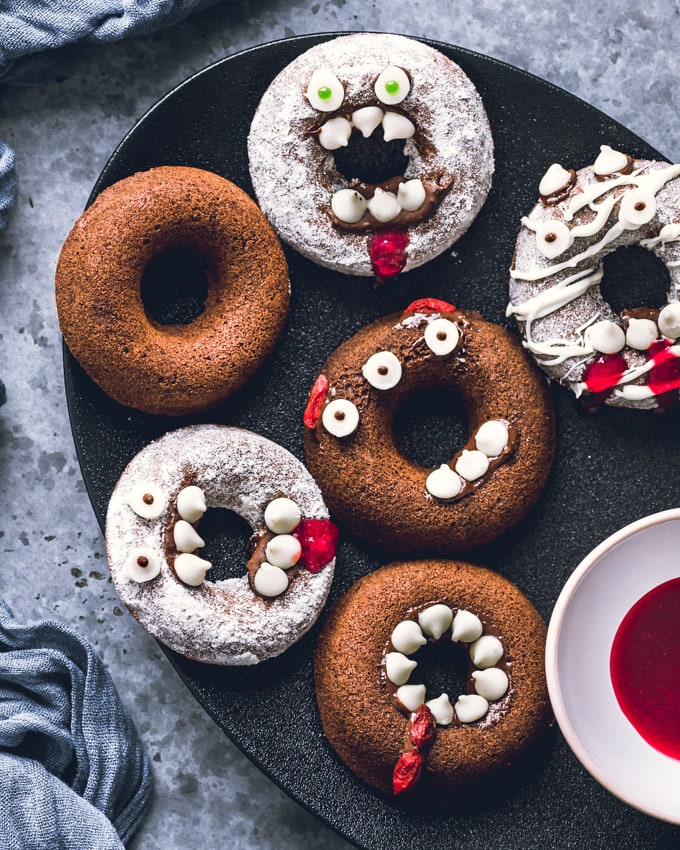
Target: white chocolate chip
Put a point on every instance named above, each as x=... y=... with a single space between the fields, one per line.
x=492 y=437
x=191 y=569
x=398 y=667
x=191 y=503
x=392 y=74
x=637 y=207
x=146 y=499
x=466 y=626
x=443 y=483
x=340 y=417
x=396 y=126
x=186 y=537
x=472 y=464
x=411 y=696
x=270 y=581
x=486 y=651
x=384 y=206
x=641 y=333
x=367 y=119
x=606 y=337
x=349 y=205
x=491 y=683
x=554 y=179
x=609 y=161
x=441 y=336
x=553 y=238
x=411 y=195
x=382 y=370
x=441 y=709
x=142 y=565
x=669 y=320
x=283 y=551
x=282 y=515
x=470 y=707
x=407 y=637
x=335 y=133
x=435 y=620
x=324 y=78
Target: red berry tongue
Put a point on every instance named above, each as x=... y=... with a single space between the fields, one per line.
x=430 y=305
x=664 y=376
x=387 y=250
x=316 y=396
x=603 y=374
x=319 y=539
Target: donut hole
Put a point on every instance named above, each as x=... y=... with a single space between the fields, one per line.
x=174 y=286
x=430 y=427
x=634 y=277
x=371 y=160
x=443 y=667
x=226 y=536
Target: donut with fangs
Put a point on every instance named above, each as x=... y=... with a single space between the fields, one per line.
x=367 y=480
x=371 y=154
x=623 y=359
x=153 y=533
x=402 y=737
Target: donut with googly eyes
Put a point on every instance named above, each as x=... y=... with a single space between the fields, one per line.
x=153 y=542
x=378 y=709
x=371 y=154
x=623 y=359
x=371 y=485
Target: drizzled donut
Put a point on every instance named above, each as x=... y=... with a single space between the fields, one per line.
x=624 y=359
x=371 y=153
x=368 y=482
x=153 y=533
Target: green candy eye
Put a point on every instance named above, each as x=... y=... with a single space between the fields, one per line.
x=393 y=85
x=325 y=91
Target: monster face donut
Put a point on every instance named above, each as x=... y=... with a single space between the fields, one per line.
x=153 y=534
x=626 y=359
x=379 y=712
x=371 y=154
x=489 y=484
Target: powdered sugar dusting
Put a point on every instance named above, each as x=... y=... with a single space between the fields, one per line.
x=220 y=622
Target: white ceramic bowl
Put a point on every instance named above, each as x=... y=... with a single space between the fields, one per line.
x=589 y=610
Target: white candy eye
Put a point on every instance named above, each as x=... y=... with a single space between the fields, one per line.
x=191 y=503
x=637 y=208
x=335 y=133
x=325 y=91
x=553 y=238
x=142 y=565
x=606 y=337
x=669 y=320
x=283 y=551
x=348 y=205
x=146 y=499
x=382 y=370
x=340 y=418
x=641 y=333
x=191 y=569
x=282 y=515
x=392 y=85
x=270 y=581
x=491 y=438
x=441 y=336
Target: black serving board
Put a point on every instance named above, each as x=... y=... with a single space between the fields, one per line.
x=609 y=470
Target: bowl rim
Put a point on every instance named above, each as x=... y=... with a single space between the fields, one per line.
x=572 y=584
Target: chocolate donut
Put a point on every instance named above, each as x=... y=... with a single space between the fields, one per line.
x=376 y=709
x=322 y=169
x=171 y=369
x=153 y=531
x=366 y=479
x=624 y=359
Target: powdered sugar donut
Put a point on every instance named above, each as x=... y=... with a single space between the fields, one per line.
x=153 y=531
x=626 y=359
x=320 y=169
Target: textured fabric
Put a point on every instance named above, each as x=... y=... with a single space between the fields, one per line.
x=73 y=773
x=8 y=182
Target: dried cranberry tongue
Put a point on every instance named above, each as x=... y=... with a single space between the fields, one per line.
x=387 y=250
x=319 y=539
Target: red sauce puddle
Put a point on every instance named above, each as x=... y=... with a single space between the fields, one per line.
x=645 y=667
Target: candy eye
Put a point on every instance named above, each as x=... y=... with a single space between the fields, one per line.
x=441 y=336
x=142 y=565
x=382 y=370
x=325 y=91
x=553 y=238
x=637 y=208
x=392 y=85
x=146 y=499
x=340 y=418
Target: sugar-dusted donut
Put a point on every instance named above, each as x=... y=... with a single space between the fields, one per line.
x=171 y=369
x=365 y=477
x=323 y=173
x=371 y=693
x=153 y=532
x=628 y=359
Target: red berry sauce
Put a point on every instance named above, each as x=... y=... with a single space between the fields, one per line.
x=645 y=667
x=664 y=376
x=319 y=539
x=387 y=250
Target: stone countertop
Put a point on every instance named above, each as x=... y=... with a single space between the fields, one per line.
x=624 y=62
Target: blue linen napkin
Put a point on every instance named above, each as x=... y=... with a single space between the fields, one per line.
x=73 y=773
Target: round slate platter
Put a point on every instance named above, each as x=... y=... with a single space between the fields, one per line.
x=609 y=470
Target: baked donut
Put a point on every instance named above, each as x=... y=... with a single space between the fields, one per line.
x=623 y=359
x=367 y=481
x=356 y=198
x=152 y=536
x=174 y=368
x=383 y=719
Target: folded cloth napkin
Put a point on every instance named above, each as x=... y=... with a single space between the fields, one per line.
x=73 y=773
